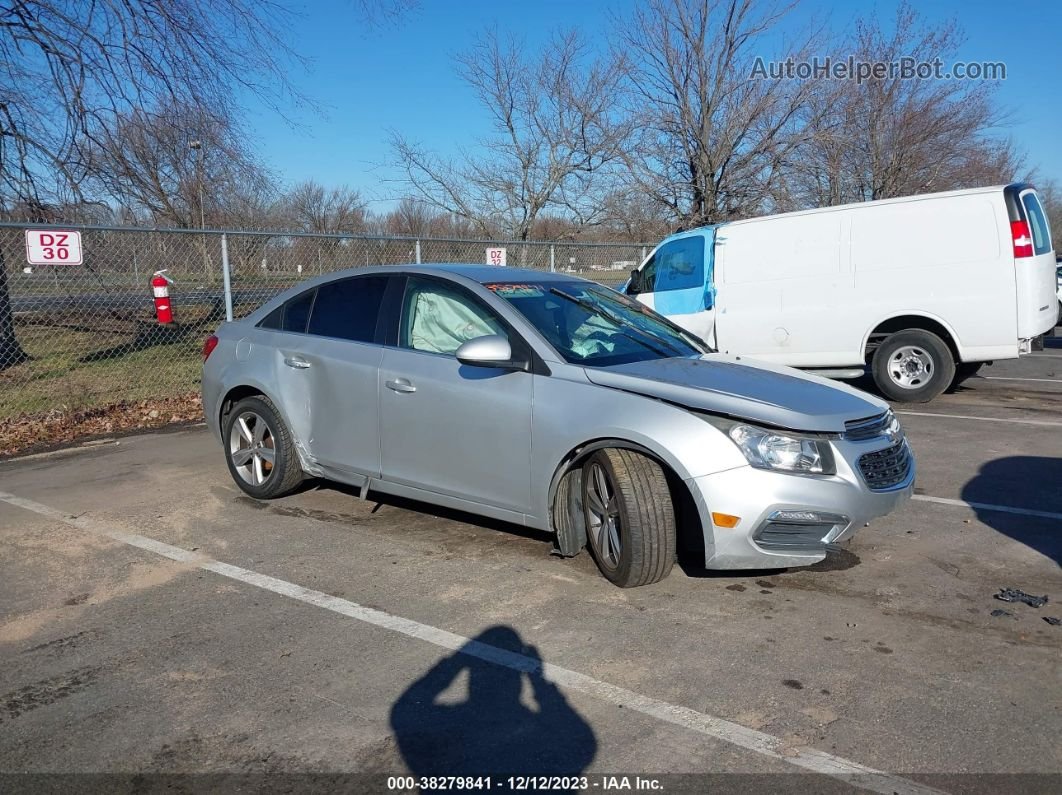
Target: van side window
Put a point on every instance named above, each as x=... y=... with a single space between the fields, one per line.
x=1041 y=233
x=678 y=265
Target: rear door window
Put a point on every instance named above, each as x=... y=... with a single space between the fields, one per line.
x=1041 y=233
x=297 y=312
x=349 y=309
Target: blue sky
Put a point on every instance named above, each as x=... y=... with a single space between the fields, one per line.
x=402 y=76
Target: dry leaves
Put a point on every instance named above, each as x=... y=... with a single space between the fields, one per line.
x=34 y=432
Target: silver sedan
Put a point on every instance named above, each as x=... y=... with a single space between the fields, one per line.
x=555 y=403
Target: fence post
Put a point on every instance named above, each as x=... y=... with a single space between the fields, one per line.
x=418 y=252
x=226 y=277
x=552 y=259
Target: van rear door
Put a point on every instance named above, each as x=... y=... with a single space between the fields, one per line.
x=1034 y=261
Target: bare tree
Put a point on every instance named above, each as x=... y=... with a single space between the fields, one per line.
x=899 y=135
x=556 y=135
x=411 y=217
x=314 y=208
x=714 y=134
x=184 y=166
x=68 y=69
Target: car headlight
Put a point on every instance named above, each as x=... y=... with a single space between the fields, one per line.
x=780 y=451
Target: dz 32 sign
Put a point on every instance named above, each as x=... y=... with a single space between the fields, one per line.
x=53 y=247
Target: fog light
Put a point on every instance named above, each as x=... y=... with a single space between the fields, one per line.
x=725 y=520
x=806 y=517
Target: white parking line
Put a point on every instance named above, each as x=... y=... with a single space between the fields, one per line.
x=1009 y=378
x=717 y=728
x=982 y=419
x=984 y=506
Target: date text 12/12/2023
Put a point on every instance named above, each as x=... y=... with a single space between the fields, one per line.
x=524 y=783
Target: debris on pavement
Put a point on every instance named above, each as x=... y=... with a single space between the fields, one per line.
x=1014 y=595
x=999 y=613
x=1053 y=621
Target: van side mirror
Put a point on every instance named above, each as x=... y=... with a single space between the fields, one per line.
x=634 y=286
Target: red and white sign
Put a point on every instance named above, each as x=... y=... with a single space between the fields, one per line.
x=496 y=256
x=53 y=247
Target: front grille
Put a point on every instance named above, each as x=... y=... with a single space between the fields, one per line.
x=868 y=428
x=883 y=469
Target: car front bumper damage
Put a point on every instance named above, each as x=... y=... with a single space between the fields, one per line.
x=789 y=520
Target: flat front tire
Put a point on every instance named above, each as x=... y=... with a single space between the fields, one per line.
x=259 y=450
x=913 y=366
x=630 y=520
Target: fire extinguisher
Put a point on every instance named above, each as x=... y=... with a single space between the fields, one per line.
x=160 y=284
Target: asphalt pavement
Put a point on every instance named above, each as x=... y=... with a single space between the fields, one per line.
x=162 y=631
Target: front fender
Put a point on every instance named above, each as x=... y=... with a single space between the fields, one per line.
x=571 y=419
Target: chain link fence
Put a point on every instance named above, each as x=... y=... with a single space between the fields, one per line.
x=89 y=334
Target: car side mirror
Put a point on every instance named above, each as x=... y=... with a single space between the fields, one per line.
x=634 y=286
x=493 y=350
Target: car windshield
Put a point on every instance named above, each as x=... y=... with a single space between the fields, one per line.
x=594 y=326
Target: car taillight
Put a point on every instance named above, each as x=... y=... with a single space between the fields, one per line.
x=209 y=345
x=1019 y=231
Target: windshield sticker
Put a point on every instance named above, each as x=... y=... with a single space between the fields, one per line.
x=515 y=290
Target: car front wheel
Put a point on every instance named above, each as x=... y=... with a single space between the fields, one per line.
x=630 y=521
x=259 y=450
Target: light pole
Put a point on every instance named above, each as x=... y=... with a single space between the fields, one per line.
x=198 y=147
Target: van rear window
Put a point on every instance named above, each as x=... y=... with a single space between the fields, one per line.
x=1041 y=233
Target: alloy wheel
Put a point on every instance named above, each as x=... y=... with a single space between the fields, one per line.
x=603 y=515
x=251 y=448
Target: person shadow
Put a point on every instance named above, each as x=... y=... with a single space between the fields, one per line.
x=492 y=732
x=1025 y=482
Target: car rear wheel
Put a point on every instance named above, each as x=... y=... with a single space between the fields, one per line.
x=259 y=450
x=913 y=366
x=630 y=521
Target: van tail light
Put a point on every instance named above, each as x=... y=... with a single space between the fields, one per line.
x=209 y=345
x=1019 y=231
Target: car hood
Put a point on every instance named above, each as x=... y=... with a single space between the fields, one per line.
x=745 y=389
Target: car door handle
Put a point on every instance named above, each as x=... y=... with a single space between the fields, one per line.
x=401 y=385
x=296 y=362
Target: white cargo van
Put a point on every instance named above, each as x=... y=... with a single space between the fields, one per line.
x=922 y=289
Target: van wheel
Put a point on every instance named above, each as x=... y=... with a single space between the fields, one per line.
x=630 y=521
x=913 y=366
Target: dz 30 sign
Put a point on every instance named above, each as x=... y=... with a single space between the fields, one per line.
x=53 y=247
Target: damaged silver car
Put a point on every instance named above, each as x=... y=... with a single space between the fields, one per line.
x=552 y=402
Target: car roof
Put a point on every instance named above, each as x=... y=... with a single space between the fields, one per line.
x=482 y=274
x=489 y=274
